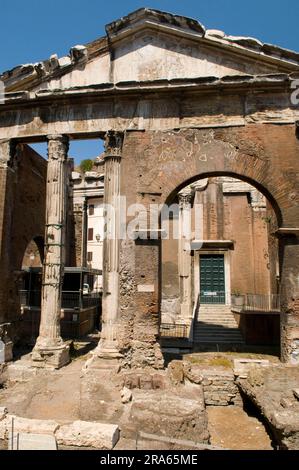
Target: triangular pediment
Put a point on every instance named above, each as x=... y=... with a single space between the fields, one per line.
x=151 y=45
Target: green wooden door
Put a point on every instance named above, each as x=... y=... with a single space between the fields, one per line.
x=212 y=279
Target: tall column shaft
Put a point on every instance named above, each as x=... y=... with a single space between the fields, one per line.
x=184 y=259
x=108 y=346
x=8 y=300
x=84 y=235
x=289 y=250
x=50 y=348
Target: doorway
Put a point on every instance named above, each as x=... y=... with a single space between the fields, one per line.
x=212 y=279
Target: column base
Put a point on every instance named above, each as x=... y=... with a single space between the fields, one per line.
x=108 y=353
x=98 y=363
x=108 y=349
x=6 y=354
x=6 y=345
x=51 y=357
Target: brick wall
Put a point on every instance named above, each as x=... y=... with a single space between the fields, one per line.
x=22 y=219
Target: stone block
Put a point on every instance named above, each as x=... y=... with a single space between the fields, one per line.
x=34 y=426
x=126 y=395
x=158 y=382
x=192 y=373
x=173 y=415
x=24 y=425
x=88 y=434
x=132 y=381
x=25 y=441
x=3 y=412
x=176 y=372
x=146 y=382
x=274 y=396
x=20 y=372
x=243 y=366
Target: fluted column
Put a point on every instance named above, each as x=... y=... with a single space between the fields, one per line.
x=289 y=290
x=108 y=346
x=50 y=348
x=8 y=295
x=184 y=259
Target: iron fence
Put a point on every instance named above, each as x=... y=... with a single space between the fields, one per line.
x=69 y=299
x=262 y=302
x=30 y=298
x=171 y=330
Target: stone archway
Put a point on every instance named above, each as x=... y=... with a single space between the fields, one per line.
x=157 y=164
x=219 y=261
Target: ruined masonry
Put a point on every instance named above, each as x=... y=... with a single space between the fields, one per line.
x=175 y=104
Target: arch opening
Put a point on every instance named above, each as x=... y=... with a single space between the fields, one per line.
x=220 y=278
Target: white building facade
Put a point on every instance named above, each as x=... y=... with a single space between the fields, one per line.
x=88 y=193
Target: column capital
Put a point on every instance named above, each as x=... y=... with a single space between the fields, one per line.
x=58 y=146
x=7 y=151
x=58 y=137
x=185 y=197
x=113 y=144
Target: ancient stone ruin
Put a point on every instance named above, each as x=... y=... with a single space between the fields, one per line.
x=190 y=118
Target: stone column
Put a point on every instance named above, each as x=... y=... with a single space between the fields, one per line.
x=8 y=291
x=50 y=350
x=84 y=234
x=184 y=258
x=289 y=251
x=108 y=346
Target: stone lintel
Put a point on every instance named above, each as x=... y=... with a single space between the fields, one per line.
x=286 y=232
x=217 y=244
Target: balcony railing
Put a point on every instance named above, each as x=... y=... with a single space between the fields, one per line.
x=171 y=330
x=244 y=302
x=261 y=302
x=69 y=299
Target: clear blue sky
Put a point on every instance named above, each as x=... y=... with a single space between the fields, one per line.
x=32 y=30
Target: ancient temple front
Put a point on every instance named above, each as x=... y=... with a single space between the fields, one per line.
x=191 y=117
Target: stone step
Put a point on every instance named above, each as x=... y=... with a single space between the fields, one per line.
x=212 y=307
x=217 y=327
x=214 y=312
x=217 y=322
x=217 y=332
x=216 y=319
x=214 y=333
x=217 y=341
x=212 y=338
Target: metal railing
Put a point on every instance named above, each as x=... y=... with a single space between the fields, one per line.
x=261 y=302
x=194 y=319
x=244 y=302
x=69 y=299
x=30 y=298
x=171 y=330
